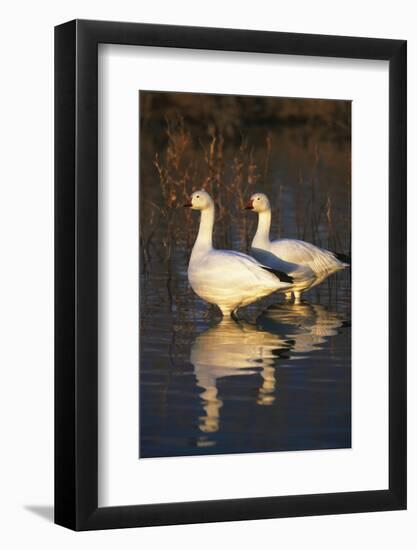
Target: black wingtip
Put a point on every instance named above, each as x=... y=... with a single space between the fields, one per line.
x=343 y=258
x=283 y=277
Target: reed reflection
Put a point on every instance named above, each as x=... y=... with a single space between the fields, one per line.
x=283 y=333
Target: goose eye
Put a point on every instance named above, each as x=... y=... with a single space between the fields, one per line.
x=197 y=196
x=258 y=198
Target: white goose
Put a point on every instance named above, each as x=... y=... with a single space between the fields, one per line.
x=227 y=278
x=319 y=261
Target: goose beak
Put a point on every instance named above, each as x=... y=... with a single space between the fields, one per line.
x=249 y=205
x=187 y=204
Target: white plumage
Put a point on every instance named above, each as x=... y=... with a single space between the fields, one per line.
x=223 y=277
x=310 y=264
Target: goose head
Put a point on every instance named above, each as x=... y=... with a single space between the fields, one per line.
x=258 y=202
x=199 y=200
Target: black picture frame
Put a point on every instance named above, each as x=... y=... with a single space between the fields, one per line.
x=76 y=272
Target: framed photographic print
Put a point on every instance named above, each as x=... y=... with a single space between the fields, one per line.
x=230 y=275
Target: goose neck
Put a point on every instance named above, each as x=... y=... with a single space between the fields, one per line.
x=262 y=232
x=204 y=239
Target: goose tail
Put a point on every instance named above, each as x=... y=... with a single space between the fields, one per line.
x=344 y=258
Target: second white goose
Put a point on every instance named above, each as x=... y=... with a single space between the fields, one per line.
x=320 y=262
x=227 y=278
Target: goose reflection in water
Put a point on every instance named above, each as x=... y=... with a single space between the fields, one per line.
x=233 y=349
x=282 y=332
x=306 y=326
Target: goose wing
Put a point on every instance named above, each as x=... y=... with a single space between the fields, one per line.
x=294 y=270
x=300 y=252
x=257 y=268
x=239 y=271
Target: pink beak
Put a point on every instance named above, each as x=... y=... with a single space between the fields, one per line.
x=188 y=204
x=249 y=205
